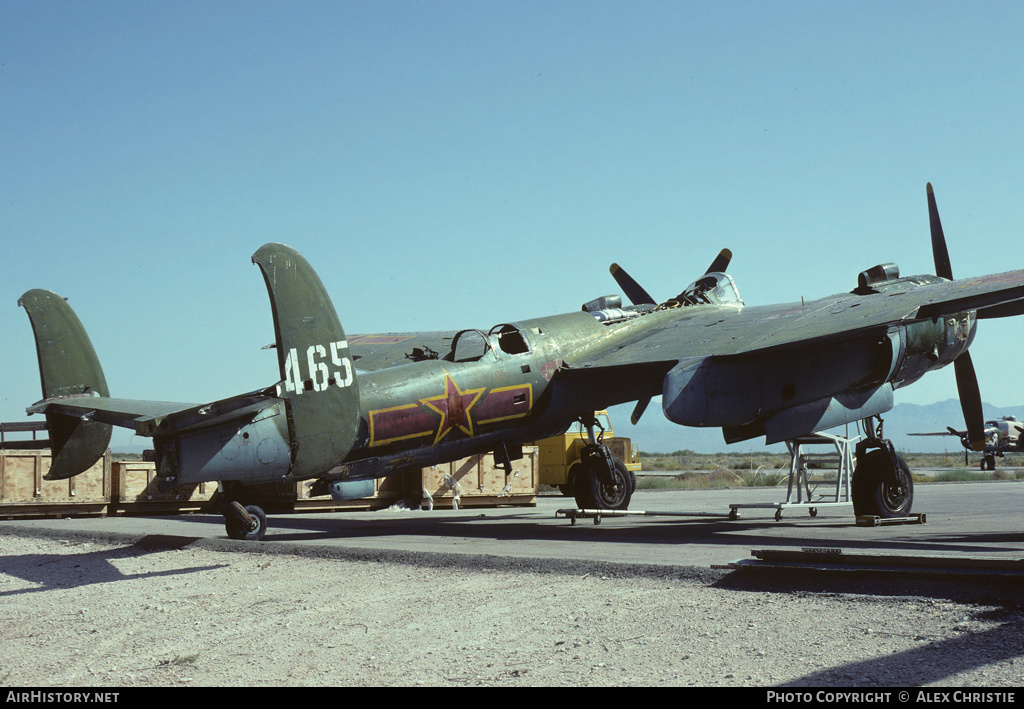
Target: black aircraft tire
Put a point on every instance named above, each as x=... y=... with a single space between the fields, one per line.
x=237 y=528
x=569 y=488
x=876 y=493
x=592 y=494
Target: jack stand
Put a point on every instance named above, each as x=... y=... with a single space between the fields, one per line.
x=800 y=494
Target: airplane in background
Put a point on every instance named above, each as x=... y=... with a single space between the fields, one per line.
x=345 y=410
x=1002 y=436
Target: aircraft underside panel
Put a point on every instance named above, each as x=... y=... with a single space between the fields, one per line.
x=250 y=451
x=827 y=413
x=735 y=391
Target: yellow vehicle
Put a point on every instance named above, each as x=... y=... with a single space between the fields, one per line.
x=559 y=456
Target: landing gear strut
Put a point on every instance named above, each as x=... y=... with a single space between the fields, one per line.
x=882 y=486
x=602 y=481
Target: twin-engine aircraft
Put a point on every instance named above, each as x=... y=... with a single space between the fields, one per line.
x=1005 y=435
x=348 y=409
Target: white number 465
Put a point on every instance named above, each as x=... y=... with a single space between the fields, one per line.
x=320 y=374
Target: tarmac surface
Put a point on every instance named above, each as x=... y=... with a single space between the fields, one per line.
x=684 y=528
x=520 y=597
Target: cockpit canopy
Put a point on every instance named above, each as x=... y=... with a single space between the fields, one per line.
x=473 y=345
x=711 y=288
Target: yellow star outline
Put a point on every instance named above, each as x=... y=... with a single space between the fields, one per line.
x=455 y=412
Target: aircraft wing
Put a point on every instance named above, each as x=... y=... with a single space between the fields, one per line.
x=781 y=371
x=998 y=295
x=682 y=333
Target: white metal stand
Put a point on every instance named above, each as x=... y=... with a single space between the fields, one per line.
x=800 y=493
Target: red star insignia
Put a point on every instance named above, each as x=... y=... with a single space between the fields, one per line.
x=454 y=406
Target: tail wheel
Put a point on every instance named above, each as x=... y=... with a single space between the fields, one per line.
x=593 y=493
x=239 y=528
x=882 y=486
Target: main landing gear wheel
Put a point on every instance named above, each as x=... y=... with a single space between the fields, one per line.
x=882 y=486
x=602 y=481
x=594 y=493
x=247 y=523
x=569 y=488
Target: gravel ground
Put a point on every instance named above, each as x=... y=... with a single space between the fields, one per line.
x=167 y=612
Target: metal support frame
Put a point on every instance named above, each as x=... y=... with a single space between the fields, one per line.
x=800 y=494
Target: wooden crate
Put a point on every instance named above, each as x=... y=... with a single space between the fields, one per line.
x=136 y=491
x=24 y=492
x=130 y=487
x=477 y=481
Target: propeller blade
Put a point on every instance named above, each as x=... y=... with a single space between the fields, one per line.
x=638 y=411
x=721 y=262
x=633 y=290
x=970 y=400
x=942 y=265
x=966 y=378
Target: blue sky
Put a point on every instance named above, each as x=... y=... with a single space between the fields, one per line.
x=458 y=164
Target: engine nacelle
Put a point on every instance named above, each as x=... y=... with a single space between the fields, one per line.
x=827 y=413
x=791 y=391
x=744 y=389
x=929 y=345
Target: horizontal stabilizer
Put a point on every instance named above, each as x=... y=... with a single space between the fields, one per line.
x=948 y=432
x=125 y=413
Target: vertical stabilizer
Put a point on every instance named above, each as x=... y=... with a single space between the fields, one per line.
x=317 y=377
x=68 y=367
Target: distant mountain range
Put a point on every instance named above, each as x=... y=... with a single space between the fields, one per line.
x=656 y=434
